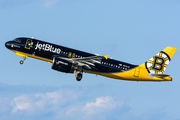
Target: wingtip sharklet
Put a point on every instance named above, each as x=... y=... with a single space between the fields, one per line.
x=106 y=57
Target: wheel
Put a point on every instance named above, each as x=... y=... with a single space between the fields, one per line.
x=79 y=77
x=21 y=62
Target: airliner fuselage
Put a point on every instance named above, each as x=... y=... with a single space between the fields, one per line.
x=69 y=60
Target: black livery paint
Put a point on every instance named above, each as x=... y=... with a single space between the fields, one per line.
x=49 y=51
x=69 y=60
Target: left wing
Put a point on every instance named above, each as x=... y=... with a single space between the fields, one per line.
x=87 y=61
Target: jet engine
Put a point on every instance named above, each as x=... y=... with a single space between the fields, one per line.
x=62 y=65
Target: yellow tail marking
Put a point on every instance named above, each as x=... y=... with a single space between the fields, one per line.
x=170 y=51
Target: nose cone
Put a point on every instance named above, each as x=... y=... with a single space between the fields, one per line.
x=7 y=44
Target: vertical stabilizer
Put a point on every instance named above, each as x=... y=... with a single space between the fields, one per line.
x=159 y=63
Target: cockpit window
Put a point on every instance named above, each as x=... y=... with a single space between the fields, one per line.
x=17 y=40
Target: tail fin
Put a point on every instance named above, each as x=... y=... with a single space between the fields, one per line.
x=159 y=63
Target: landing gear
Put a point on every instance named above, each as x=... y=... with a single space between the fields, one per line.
x=22 y=61
x=78 y=73
x=79 y=77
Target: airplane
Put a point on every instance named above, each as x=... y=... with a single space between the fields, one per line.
x=73 y=61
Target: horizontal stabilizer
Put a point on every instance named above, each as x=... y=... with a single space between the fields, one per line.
x=158 y=75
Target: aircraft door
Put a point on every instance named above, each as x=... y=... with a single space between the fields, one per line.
x=136 y=72
x=28 y=44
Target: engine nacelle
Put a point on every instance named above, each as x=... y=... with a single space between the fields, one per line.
x=62 y=65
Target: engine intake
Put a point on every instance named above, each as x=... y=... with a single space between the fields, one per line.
x=62 y=65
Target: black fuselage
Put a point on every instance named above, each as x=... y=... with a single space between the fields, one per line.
x=45 y=50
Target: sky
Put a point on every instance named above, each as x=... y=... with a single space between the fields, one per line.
x=127 y=30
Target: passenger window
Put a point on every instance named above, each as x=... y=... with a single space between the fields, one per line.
x=70 y=54
x=73 y=55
